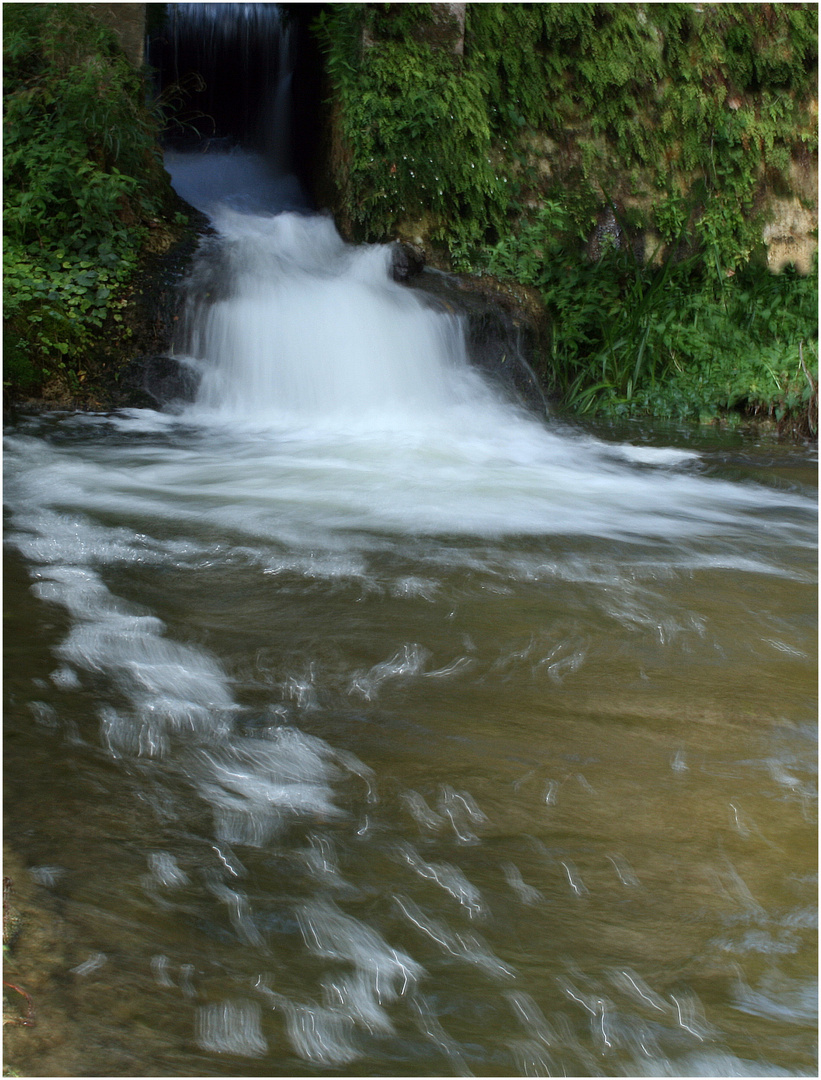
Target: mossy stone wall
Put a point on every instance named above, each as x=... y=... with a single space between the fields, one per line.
x=678 y=113
x=128 y=23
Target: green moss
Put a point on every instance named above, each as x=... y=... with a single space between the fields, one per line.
x=668 y=96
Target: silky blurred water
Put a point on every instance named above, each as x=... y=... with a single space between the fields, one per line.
x=359 y=723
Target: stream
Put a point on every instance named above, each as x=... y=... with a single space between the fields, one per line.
x=359 y=722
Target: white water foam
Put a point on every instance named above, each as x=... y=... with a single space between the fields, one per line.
x=311 y=330
x=336 y=408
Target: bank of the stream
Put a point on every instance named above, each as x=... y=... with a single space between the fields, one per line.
x=93 y=231
x=645 y=197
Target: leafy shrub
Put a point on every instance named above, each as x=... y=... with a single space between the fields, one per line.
x=422 y=144
x=82 y=177
x=688 y=108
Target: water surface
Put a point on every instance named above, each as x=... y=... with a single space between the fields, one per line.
x=359 y=723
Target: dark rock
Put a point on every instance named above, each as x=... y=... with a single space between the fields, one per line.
x=151 y=377
x=407 y=261
x=505 y=333
x=156 y=301
x=607 y=232
x=151 y=382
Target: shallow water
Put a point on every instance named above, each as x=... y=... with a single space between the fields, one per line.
x=360 y=723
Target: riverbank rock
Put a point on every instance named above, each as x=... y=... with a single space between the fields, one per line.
x=407 y=260
x=152 y=382
x=148 y=375
x=506 y=329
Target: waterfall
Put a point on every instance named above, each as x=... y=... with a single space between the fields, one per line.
x=282 y=317
x=232 y=142
x=373 y=416
x=306 y=325
x=351 y=406
x=403 y=731
x=241 y=57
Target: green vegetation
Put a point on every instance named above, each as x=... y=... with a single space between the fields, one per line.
x=633 y=337
x=688 y=117
x=501 y=152
x=415 y=125
x=83 y=180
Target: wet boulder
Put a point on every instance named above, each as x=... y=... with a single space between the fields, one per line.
x=153 y=382
x=506 y=329
x=407 y=261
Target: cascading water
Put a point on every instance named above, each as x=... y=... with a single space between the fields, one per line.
x=413 y=734
x=239 y=114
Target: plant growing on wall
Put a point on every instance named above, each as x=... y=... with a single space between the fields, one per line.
x=416 y=133
x=668 y=339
